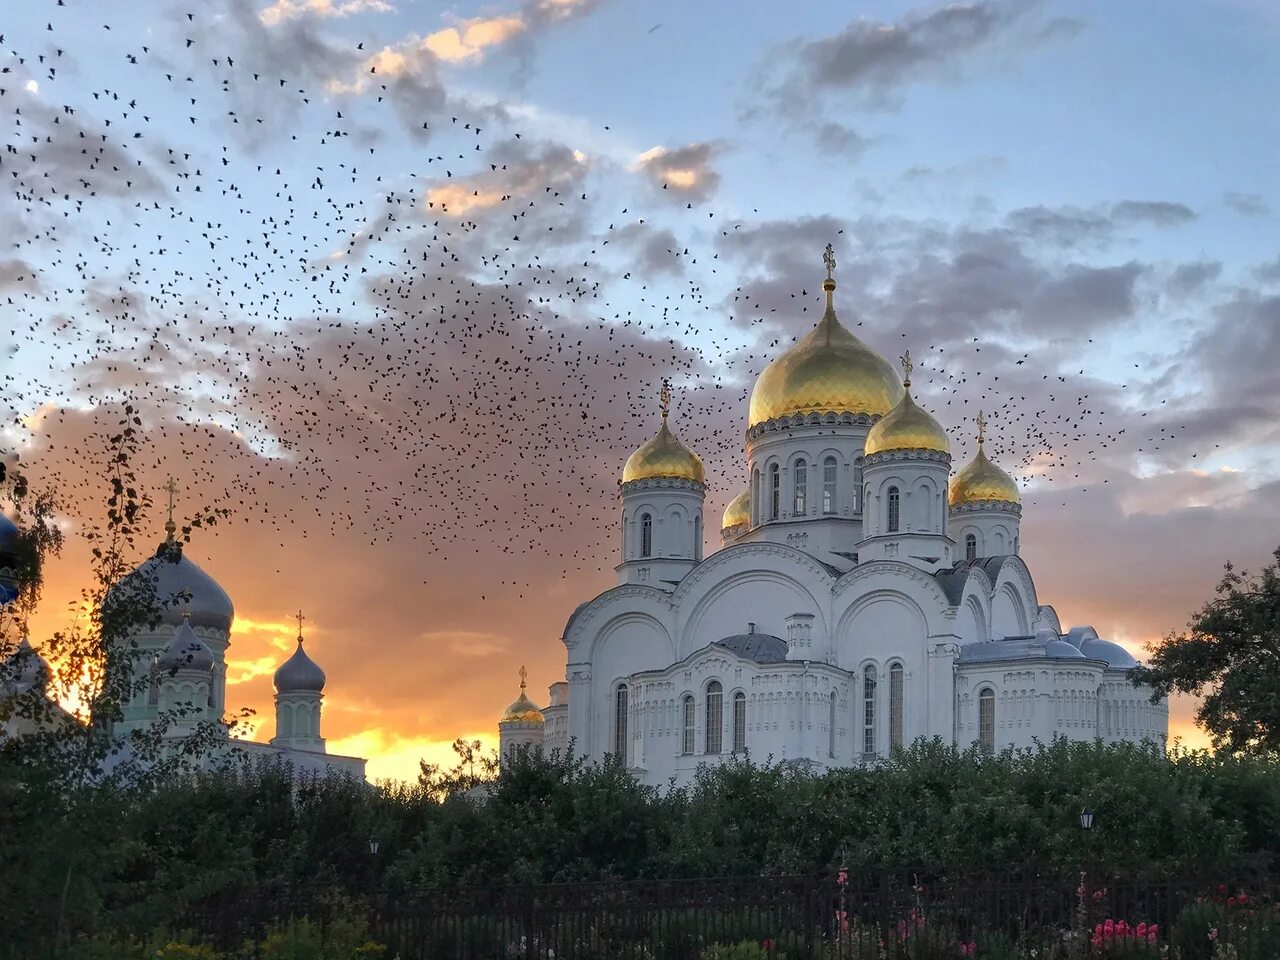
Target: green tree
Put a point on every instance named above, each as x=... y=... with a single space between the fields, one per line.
x=1230 y=656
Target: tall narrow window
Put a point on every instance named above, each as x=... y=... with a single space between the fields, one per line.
x=895 y=706
x=894 y=510
x=697 y=537
x=775 y=492
x=869 y=711
x=739 y=722
x=829 y=485
x=800 y=478
x=715 y=717
x=646 y=535
x=620 y=721
x=686 y=745
x=756 y=512
x=857 y=484
x=831 y=727
x=987 y=720
x=970 y=547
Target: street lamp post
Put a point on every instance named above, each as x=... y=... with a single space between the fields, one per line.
x=1086 y=824
x=374 y=844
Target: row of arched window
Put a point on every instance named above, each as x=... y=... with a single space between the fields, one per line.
x=713 y=732
x=770 y=495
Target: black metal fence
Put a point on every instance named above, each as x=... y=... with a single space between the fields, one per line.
x=908 y=915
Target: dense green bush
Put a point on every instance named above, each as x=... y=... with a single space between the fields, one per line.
x=130 y=860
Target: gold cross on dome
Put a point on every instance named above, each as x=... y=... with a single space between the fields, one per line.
x=907 y=367
x=300 y=618
x=829 y=260
x=170 y=527
x=982 y=426
x=523 y=674
x=664 y=397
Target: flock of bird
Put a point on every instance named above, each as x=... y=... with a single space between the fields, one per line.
x=365 y=304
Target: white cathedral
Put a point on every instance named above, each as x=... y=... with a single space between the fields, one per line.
x=181 y=662
x=863 y=597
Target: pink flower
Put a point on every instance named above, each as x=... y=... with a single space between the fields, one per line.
x=1242 y=899
x=1142 y=929
x=842 y=877
x=1231 y=901
x=767 y=945
x=1151 y=936
x=1213 y=934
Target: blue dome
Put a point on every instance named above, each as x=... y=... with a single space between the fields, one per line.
x=186 y=652
x=1117 y=657
x=8 y=536
x=299 y=674
x=8 y=532
x=181 y=586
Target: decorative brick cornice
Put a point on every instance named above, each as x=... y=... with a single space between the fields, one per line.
x=916 y=453
x=987 y=506
x=800 y=420
x=661 y=483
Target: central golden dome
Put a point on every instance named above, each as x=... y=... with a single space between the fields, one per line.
x=828 y=371
x=906 y=426
x=521 y=709
x=738 y=511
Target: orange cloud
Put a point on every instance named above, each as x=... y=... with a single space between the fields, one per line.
x=468 y=40
x=283 y=10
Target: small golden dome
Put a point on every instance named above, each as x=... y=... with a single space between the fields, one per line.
x=828 y=371
x=664 y=455
x=522 y=709
x=738 y=512
x=906 y=426
x=980 y=479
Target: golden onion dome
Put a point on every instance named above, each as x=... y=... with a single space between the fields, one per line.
x=664 y=455
x=907 y=426
x=738 y=512
x=980 y=479
x=828 y=371
x=521 y=709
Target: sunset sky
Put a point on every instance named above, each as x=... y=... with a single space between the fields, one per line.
x=396 y=282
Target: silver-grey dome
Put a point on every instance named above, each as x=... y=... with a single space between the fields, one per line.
x=1117 y=657
x=23 y=670
x=299 y=674
x=1060 y=648
x=186 y=651
x=181 y=586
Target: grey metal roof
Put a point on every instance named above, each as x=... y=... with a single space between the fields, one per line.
x=760 y=647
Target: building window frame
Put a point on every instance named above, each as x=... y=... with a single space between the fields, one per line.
x=870 y=680
x=690 y=718
x=830 y=472
x=646 y=535
x=893 y=510
x=775 y=491
x=970 y=546
x=987 y=720
x=739 y=722
x=800 y=488
x=896 y=683
x=621 y=709
x=715 y=717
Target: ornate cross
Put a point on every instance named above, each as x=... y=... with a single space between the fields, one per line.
x=829 y=260
x=523 y=674
x=982 y=426
x=300 y=618
x=664 y=397
x=169 y=526
x=907 y=367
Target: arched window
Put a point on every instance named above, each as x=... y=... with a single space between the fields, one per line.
x=831 y=727
x=829 y=485
x=987 y=720
x=646 y=535
x=697 y=537
x=739 y=722
x=686 y=745
x=970 y=547
x=869 y=711
x=857 y=484
x=755 y=498
x=895 y=706
x=775 y=492
x=715 y=717
x=620 y=721
x=800 y=479
x=895 y=510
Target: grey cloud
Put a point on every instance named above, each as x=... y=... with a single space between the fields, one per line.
x=1063 y=226
x=1246 y=204
x=1188 y=278
x=1159 y=213
x=686 y=172
x=1268 y=272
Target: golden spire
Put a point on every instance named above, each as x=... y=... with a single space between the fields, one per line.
x=907 y=367
x=170 y=528
x=300 y=618
x=982 y=427
x=664 y=397
x=829 y=284
x=523 y=676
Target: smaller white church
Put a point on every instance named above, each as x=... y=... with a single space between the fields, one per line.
x=182 y=663
x=863 y=597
